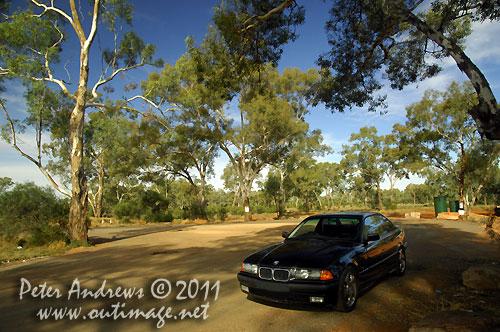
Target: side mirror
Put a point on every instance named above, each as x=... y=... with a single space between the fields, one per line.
x=373 y=237
x=285 y=235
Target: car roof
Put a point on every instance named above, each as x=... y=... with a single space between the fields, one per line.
x=345 y=214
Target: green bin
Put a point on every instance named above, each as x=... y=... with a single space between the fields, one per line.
x=454 y=206
x=440 y=204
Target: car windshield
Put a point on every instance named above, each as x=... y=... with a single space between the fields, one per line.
x=328 y=227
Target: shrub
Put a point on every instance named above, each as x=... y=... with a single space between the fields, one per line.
x=222 y=213
x=125 y=220
x=391 y=206
x=33 y=213
x=178 y=213
x=127 y=209
x=237 y=210
x=156 y=216
x=216 y=211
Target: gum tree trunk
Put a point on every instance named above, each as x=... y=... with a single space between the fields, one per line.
x=486 y=113
x=79 y=192
x=78 y=207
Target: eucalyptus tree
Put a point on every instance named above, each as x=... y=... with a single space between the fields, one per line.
x=266 y=124
x=439 y=134
x=229 y=63
x=420 y=193
x=293 y=85
x=5 y=183
x=33 y=40
x=308 y=183
x=188 y=137
x=115 y=150
x=231 y=183
x=481 y=170
x=393 y=156
x=336 y=184
x=404 y=38
x=364 y=155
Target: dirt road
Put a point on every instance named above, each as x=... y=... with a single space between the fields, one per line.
x=146 y=258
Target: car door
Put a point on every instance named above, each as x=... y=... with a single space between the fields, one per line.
x=372 y=260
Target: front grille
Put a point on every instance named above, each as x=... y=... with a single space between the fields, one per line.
x=280 y=275
x=268 y=273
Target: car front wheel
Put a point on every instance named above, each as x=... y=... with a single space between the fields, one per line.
x=348 y=290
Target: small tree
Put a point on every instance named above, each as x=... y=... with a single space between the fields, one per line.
x=365 y=156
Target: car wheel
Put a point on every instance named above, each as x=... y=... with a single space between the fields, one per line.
x=401 y=263
x=347 y=295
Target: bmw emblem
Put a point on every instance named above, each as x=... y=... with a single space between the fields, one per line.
x=276 y=262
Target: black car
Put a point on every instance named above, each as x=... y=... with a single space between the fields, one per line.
x=326 y=259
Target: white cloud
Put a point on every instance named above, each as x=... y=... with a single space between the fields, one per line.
x=333 y=142
x=23 y=171
x=14 y=98
x=401 y=184
x=483 y=43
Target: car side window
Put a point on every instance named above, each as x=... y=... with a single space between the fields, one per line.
x=388 y=225
x=373 y=224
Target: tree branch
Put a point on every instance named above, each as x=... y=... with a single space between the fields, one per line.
x=111 y=77
x=30 y=158
x=254 y=21
x=54 y=9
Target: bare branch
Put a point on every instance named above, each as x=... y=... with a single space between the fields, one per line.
x=54 y=9
x=254 y=21
x=111 y=77
x=95 y=17
x=30 y=158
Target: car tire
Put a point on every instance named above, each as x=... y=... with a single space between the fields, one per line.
x=400 y=263
x=347 y=294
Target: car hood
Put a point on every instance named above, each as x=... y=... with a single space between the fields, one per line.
x=310 y=253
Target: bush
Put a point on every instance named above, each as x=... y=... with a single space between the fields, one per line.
x=222 y=213
x=33 y=213
x=127 y=209
x=216 y=211
x=178 y=213
x=237 y=210
x=391 y=206
x=263 y=209
x=125 y=220
x=156 y=216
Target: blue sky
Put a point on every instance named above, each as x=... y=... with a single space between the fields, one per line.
x=166 y=24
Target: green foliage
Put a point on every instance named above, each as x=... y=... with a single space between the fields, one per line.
x=32 y=40
x=364 y=158
x=156 y=216
x=364 y=44
x=125 y=220
x=237 y=210
x=261 y=41
x=442 y=143
x=222 y=213
x=5 y=184
x=147 y=205
x=126 y=209
x=34 y=214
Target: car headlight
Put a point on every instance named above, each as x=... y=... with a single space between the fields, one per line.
x=310 y=274
x=249 y=268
